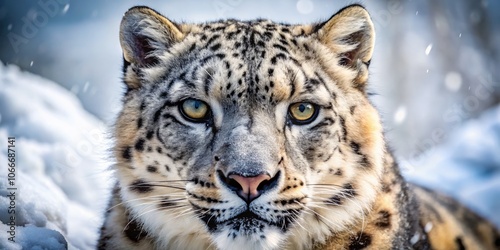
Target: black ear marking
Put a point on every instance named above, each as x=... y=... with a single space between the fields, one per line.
x=143 y=49
x=367 y=63
x=125 y=66
x=355 y=39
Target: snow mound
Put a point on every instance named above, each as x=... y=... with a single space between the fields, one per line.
x=61 y=178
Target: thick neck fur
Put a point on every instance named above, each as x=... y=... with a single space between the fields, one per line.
x=394 y=204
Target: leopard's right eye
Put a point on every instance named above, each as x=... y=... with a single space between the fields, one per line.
x=195 y=110
x=302 y=113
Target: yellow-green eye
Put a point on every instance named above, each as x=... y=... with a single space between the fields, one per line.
x=195 y=110
x=302 y=112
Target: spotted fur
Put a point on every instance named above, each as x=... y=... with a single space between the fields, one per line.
x=333 y=183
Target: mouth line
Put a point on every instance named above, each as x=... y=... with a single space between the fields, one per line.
x=246 y=220
x=246 y=215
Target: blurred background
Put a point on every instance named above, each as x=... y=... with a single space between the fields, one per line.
x=435 y=73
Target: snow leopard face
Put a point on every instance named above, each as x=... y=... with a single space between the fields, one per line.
x=250 y=135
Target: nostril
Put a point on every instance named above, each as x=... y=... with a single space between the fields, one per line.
x=269 y=184
x=229 y=182
x=233 y=184
x=263 y=185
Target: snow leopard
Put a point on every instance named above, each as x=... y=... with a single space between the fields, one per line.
x=261 y=135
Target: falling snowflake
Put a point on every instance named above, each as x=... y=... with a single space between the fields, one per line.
x=428 y=49
x=428 y=227
x=65 y=9
x=415 y=239
x=400 y=115
x=85 y=87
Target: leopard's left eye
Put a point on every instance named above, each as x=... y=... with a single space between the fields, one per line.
x=302 y=113
x=195 y=110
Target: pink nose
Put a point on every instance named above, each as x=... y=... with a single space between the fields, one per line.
x=249 y=185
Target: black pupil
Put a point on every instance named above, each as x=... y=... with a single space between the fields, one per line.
x=197 y=104
x=302 y=107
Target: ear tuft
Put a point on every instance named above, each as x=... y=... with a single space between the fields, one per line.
x=144 y=34
x=350 y=34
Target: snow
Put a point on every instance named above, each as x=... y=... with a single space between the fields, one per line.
x=34 y=238
x=61 y=176
x=467 y=166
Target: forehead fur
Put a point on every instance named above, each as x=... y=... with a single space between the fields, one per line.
x=261 y=60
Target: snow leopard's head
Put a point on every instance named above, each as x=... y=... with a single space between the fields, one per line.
x=247 y=134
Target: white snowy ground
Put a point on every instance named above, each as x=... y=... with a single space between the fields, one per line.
x=61 y=176
x=61 y=173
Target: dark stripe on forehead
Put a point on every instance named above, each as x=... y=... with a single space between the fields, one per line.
x=333 y=95
x=310 y=85
x=211 y=40
x=293 y=77
x=207 y=79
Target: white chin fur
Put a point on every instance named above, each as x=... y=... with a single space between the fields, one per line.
x=273 y=238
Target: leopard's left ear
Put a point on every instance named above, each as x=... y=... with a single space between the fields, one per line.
x=351 y=35
x=144 y=36
x=144 y=32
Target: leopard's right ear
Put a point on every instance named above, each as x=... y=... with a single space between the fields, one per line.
x=144 y=35
x=351 y=35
